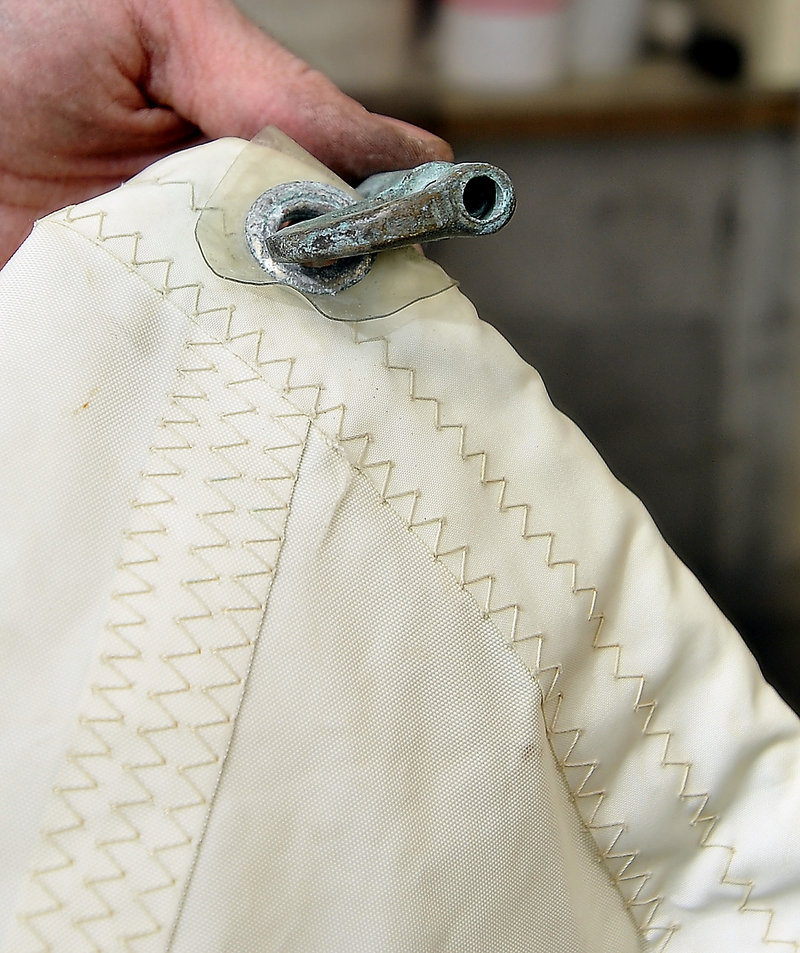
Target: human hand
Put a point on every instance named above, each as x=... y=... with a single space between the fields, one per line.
x=92 y=91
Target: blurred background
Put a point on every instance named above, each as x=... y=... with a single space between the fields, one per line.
x=650 y=273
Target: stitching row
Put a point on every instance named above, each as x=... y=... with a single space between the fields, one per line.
x=458 y=557
x=98 y=727
x=620 y=863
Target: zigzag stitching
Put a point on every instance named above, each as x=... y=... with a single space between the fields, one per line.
x=414 y=523
x=487 y=611
x=130 y=652
x=171 y=660
x=648 y=927
x=143 y=588
x=627 y=858
x=77 y=757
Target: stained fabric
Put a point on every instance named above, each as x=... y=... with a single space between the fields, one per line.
x=413 y=802
x=330 y=637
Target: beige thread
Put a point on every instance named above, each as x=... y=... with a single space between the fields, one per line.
x=128 y=652
x=413 y=497
x=461 y=554
x=626 y=859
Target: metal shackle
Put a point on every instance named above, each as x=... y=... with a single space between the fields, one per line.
x=316 y=238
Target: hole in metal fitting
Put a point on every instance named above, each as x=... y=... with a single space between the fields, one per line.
x=298 y=215
x=290 y=203
x=480 y=196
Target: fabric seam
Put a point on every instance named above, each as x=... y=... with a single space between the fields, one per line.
x=627 y=858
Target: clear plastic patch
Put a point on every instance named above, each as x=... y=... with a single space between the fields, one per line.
x=396 y=278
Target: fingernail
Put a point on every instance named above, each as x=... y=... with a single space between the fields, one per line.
x=428 y=145
x=439 y=148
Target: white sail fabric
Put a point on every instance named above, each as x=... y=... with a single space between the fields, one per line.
x=327 y=637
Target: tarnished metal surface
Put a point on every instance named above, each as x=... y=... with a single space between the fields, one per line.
x=290 y=202
x=431 y=202
x=315 y=238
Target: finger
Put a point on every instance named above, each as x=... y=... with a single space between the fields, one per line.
x=223 y=74
x=15 y=226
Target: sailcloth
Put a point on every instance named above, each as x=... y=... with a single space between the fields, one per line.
x=329 y=637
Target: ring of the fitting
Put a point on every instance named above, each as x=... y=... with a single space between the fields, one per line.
x=486 y=197
x=287 y=204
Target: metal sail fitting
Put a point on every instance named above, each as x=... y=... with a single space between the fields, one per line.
x=316 y=238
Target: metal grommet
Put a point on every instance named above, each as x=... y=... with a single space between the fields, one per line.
x=290 y=203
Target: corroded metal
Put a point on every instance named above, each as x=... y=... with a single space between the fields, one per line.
x=433 y=201
x=320 y=240
x=290 y=202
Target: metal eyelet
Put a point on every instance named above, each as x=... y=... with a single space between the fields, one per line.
x=290 y=203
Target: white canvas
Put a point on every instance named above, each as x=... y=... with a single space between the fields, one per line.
x=333 y=637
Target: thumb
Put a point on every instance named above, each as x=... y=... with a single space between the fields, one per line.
x=219 y=71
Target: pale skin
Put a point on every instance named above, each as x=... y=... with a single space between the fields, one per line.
x=92 y=91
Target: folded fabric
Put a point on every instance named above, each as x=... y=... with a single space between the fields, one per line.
x=326 y=637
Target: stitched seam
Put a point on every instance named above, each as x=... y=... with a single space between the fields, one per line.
x=459 y=553
x=211 y=801
x=127 y=651
x=626 y=858
x=551 y=698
